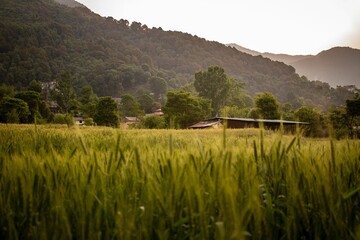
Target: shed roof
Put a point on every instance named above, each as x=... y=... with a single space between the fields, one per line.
x=204 y=124
x=260 y=120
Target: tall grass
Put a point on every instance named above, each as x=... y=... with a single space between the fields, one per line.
x=91 y=183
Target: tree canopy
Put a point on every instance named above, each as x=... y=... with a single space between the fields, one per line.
x=214 y=85
x=115 y=57
x=183 y=109
x=106 y=112
x=267 y=106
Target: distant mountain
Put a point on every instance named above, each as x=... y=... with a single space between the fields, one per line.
x=285 y=58
x=338 y=66
x=40 y=38
x=244 y=50
x=69 y=3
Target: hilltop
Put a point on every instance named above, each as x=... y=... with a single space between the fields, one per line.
x=40 y=38
x=338 y=66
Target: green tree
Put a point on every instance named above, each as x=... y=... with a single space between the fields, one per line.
x=353 y=112
x=340 y=122
x=234 y=111
x=6 y=91
x=146 y=102
x=185 y=109
x=33 y=100
x=9 y=107
x=35 y=86
x=106 y=112
x=154 y=122
x=87 y=101
x=213 y=84
x=315 y=120
x=267 y=106
x=64 y=93
x=159 y=87
x=130 y=107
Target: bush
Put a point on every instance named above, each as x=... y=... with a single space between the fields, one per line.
x=154 y=122
x=59 y=118
x=89 y=121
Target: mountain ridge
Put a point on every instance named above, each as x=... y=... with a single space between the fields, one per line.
x=70 y=3
x=335 y=66
x=117 y=57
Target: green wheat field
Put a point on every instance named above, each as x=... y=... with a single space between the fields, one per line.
x=102 y=183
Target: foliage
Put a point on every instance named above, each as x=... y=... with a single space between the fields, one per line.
x=130 y=107
x=34 y=101
x=59 y=118
x=345 y=120
x=159 y=87
x=146 y=103
x=87 y=101
x=35 y=86
x=234 y=111
x=64 y=92
x=6 y=91
x=14 y=110
x=184 y=109
x=353 y=106
x=340 y=122
x=153 y=122
x=115 y=57
x=315 y=119
x=214 y=85
x=106 y=112
x=267 y=105
x=70 y=183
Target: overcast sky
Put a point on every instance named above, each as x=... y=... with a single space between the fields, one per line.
x=277 y=26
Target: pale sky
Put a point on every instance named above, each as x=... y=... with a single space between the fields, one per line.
x=277 y=26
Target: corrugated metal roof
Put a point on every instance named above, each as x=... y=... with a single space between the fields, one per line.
x=204 y=124
x=259 y=120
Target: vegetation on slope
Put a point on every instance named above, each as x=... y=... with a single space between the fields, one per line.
x=40 y=38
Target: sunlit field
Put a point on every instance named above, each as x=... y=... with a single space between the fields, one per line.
x=102 y=183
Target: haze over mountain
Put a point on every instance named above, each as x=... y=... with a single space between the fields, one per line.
x=40 y=38
x=336 y=66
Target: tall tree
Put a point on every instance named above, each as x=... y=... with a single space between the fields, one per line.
x=130 y=107
x=353 y=112
x=13 y=110
x=33 y=100
x=35 y=86
x=87 y=100
x=159 y=87
x=64 y=92
x=106 y=112
x=314 y=118
x=184 y=109
x=213 y=84
x=267 y=106
x=146 y=103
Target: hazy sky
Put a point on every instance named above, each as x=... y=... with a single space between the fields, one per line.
x=278 y=26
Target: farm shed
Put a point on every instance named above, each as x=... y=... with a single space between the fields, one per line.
x=250 y=123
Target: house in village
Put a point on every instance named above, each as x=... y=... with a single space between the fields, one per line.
x=248 y=123
x=157 y=112
x=128 y=122
x=79 y=121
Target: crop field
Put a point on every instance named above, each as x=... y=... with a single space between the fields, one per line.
x=102 y=183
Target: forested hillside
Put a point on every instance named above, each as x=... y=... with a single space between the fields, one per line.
x=40 y=38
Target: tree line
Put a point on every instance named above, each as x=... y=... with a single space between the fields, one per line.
x=213 y=93
x=116 y=57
